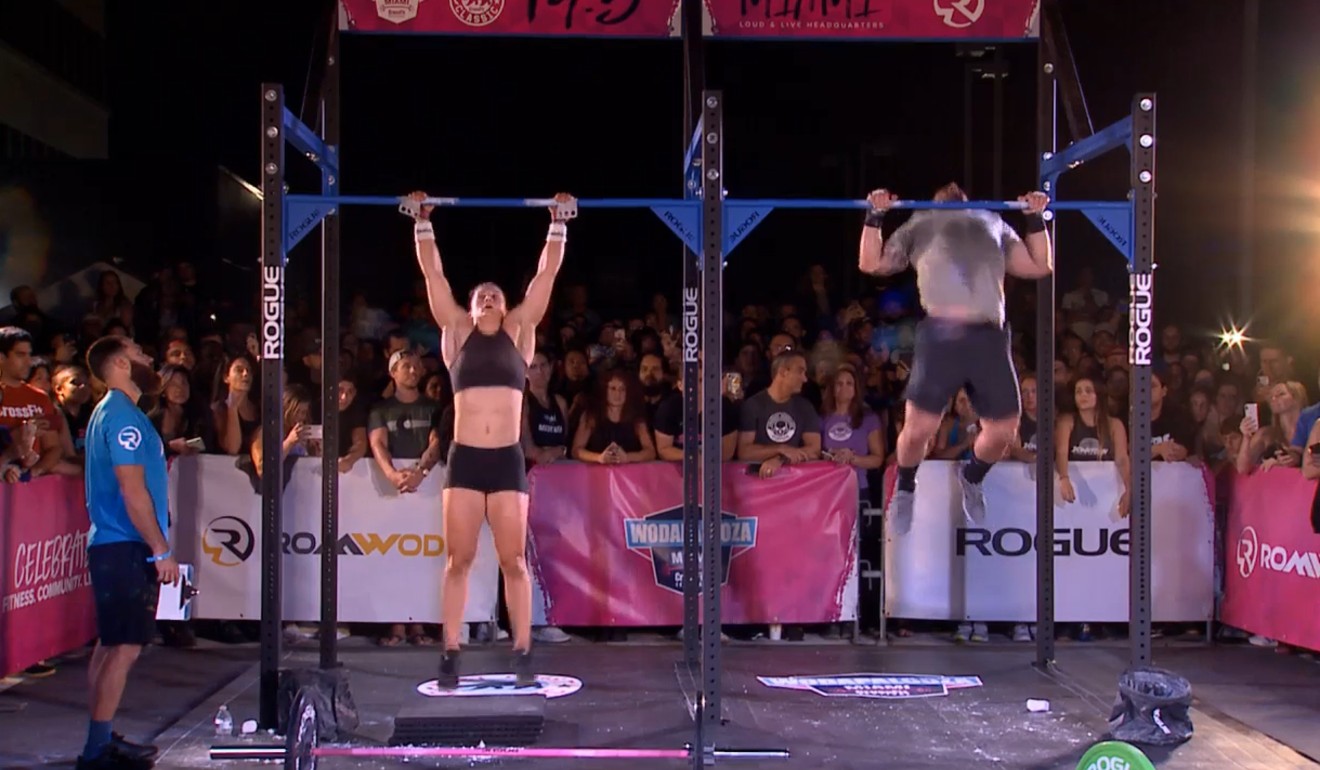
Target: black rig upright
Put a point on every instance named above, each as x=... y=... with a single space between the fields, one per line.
x=272 y=395
x=1141 y=350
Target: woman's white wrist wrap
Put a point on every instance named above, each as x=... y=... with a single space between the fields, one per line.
x=558 y=232
x=424 y=231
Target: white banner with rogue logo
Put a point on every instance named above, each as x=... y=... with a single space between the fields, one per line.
x=391 y=546
x=949 y=569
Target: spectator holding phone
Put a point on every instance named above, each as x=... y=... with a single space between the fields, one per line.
x=179 y=429
x=1268 y=446
x=298 y=439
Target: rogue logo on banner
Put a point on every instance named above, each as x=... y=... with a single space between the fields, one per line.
x=887 y=686
x=659 y=537
x=946 y=570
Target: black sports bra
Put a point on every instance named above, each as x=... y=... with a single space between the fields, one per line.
x=488 y=360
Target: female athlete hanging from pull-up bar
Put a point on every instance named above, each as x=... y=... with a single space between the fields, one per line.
x=487 y=348
x=964 y=341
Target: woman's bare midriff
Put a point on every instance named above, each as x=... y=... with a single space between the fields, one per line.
x=488 y=418
x=954 y=313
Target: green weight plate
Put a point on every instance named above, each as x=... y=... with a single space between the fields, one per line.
x=1115 y=755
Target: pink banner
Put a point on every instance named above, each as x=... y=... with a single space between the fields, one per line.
x=607 y=544
x=863 y=19
x=875 y=19
x=46 y=590
x=1272 y=558
x=551 y=18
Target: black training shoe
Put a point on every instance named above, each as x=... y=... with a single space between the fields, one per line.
x=448 y=678
x=113 y=758
x=522 y=668
x=134 y=750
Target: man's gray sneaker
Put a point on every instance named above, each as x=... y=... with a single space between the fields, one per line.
x=898 y=516
x=973 y=503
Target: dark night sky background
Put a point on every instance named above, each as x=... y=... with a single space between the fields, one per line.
x=527 y=117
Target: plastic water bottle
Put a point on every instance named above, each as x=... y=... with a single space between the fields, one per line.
x=224 y=722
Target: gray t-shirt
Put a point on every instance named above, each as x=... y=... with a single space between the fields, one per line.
x=959 y=257
x=408 y=425
x=776 y=423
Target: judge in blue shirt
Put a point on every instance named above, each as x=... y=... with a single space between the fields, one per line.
x=128 y=552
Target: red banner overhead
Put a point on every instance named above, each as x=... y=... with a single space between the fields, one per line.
x=855 y=19
x=548 y=18
x=874 y=19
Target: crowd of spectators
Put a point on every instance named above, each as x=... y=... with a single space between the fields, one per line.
x=815 y=376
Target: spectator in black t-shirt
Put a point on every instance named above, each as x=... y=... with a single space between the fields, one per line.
x=73 y=395
x=778 y=426
x=613 y=428
x=669 y=424
x=1024 y=449
x=652 y=375
x=352 y=425
x=1172 y=432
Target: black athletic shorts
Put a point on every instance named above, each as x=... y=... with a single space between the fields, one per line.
x=126 y=592
x=954 y=354
x=503 y=469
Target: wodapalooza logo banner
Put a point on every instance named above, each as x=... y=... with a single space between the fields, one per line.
x=659 y=537
x=887 y=686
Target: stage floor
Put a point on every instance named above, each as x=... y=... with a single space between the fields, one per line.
x=1254 y=709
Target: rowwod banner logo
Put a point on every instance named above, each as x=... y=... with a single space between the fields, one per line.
x=887 y=686
x=659 y=537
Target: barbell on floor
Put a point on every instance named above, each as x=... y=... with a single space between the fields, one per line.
x=301 y=748
x=281 y=753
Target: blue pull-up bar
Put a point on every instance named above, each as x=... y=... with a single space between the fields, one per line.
x=647 y=203
x=682 y=215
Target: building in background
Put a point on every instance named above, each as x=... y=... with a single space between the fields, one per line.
x=53 y=78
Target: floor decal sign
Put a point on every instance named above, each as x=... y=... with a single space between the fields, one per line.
x=503 y=684
x=888 y=686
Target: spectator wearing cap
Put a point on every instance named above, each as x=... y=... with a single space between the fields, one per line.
x=405 y=448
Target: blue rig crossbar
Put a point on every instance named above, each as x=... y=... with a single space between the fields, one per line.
x=741 y=216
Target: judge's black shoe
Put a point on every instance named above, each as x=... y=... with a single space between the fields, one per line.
x=448 y=678
x=113 y=758
x=522 y=668
x=134 y=750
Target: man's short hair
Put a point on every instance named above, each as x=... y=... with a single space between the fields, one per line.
x=783 y=360
x=101 y=351
x=11 y=336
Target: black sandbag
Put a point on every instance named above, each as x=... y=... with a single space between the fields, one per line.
x=1153 y=708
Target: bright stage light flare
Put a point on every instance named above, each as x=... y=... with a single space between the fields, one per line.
x=1232 y=337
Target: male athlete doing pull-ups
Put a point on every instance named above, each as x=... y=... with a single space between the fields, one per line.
x=960 y=257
